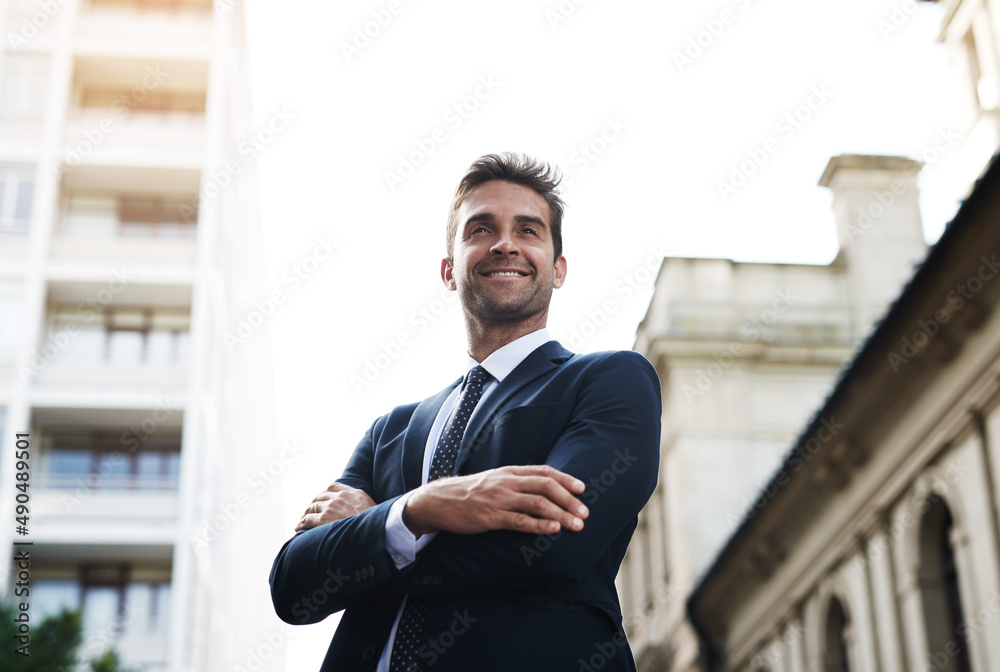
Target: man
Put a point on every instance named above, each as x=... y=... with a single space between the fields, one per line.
x=482 y=528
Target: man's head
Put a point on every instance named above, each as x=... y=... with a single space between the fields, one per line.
x=518 y=169
x=504 y=255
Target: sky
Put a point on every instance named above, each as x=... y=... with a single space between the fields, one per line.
x=652 y=109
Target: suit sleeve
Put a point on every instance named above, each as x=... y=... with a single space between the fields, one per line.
x=325 y=569
x=612 y=445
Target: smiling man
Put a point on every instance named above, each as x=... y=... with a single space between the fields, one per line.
x=482 y=528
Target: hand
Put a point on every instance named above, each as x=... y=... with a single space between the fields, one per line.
x=337 y=502
x=537 y=499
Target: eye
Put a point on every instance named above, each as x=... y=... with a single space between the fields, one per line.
x=529 y=229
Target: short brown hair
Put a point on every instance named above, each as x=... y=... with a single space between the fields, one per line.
x=518 y=169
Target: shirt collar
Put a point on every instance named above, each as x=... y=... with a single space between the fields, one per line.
x=504 y=360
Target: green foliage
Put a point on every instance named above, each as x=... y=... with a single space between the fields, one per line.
x=107 y=662
x=54 y=644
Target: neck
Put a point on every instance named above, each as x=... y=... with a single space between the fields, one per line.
x=485 y=339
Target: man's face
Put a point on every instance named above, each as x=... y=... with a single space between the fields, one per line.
x=503 y=266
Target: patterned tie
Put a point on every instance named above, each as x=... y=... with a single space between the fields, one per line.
x=407 y=643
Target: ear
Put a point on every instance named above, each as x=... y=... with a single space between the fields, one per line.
x=559 y=272
x=448 y=274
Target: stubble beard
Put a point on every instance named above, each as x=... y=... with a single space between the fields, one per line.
x=486 y=308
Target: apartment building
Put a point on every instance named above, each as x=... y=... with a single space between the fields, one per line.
x=129 y=245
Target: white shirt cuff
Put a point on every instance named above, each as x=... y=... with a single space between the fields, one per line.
x=401 y=544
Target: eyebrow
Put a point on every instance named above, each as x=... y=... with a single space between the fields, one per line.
x=520 y=219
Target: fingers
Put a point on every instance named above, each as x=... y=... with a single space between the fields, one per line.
x=535 y=499
x=309 y=521
x=522 y=522
x=571 y=483
x=335 y=503
x=538 y=511
x=555 y=492
x=548 y=497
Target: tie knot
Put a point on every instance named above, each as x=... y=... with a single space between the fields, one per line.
x=477 y=376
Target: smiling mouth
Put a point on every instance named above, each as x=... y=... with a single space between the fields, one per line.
x=506 y=272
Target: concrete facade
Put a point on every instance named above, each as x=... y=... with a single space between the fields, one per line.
x=746 y=352
x=876 y=548
x=129 y=251
x=873 y=544
x=971 y=31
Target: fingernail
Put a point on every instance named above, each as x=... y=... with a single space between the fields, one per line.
x=578 y=484
x=577 y=523
x=582 y=510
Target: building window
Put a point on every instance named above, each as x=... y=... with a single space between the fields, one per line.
x=11 y=313
x=940 y=596
x=135 y=216
x=152 y=101
x=115 y=600
x=111 y=461
x=126 y=336
x=17 y=190
x=836 y=638
x=24 y=79
x=155 y=218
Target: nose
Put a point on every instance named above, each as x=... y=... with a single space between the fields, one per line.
x=505 y=243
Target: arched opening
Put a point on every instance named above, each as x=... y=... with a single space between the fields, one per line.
x=939 y=591
x=836 y=638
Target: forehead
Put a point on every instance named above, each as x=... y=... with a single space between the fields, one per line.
x=503 y=199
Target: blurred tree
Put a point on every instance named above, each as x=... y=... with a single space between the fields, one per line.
x=54 y=644
x=107 y=662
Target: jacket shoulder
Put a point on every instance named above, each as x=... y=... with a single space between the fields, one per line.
x=629 y=359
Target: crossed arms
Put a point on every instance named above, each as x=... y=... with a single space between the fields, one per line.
x=596 y=478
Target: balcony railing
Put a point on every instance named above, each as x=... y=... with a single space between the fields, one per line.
x=145 y=27
x=103 y=136
x=99 y=347
x=112 y=482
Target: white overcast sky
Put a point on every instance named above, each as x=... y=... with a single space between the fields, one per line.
x=675 y=131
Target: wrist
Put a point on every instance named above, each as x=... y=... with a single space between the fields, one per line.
x=414 y=516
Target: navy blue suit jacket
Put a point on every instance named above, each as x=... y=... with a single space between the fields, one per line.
x=499 y=600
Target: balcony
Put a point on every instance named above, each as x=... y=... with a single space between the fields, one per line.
x=105 y=137
x=162 y=28
x=123 y=594
x=106 y=476
x=121 y=227
x=113 y=352
x=136 y=112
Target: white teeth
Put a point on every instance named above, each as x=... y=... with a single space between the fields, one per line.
x=503 y=273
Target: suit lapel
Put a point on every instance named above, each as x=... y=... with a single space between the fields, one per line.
x=415 y=437
x=544 y=359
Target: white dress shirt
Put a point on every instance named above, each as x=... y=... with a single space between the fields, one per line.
x=399 y=541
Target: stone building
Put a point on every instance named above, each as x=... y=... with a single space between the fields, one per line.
x=873 y=544
x=745 y=352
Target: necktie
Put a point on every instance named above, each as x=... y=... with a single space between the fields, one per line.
x=406 y=646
